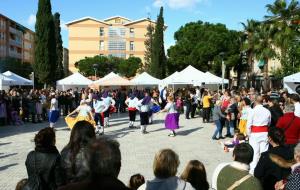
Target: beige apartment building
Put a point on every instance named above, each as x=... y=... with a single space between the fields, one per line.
x=16 y=41
x=116 y=36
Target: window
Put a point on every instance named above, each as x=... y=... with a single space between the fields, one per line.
x=117 y=20
x=115 y=32
x=101 y=45
x=117 y=44
x=120 y=55
x=131 y=46
x=101 y=31
x=131 y=32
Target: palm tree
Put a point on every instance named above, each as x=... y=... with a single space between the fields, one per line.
x=263 y=49
x=250 y=29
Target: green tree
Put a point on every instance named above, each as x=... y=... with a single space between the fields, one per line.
x=264 y=50
x=129 y=66
x=158 y=59
x=149 y=46
x=199 y=44
x=15 y=66
x=45 y=46
x=59 y=47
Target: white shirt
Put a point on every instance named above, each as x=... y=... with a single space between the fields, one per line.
x=258 y=116
x=132 y=103
x=297 y=109
x=99 y=106
x=171 y=107
x=54 y=104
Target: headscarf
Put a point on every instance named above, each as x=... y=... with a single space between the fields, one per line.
x=146 y=100
x=105 y=94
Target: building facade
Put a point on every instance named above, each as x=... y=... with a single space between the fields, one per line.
x=116 y=36
x=16 y=41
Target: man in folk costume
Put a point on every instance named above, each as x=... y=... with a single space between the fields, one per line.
x=144 y=107
x=131 y=103
x=109 y=102
x=258 y=122
x=99 y=107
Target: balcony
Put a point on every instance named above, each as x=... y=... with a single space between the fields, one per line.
x=15 y=31
x=15 y=43
x=15 y=54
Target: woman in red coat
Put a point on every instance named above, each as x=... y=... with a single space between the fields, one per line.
x=291 y=126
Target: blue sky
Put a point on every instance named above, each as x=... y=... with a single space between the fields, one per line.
x=177 y=12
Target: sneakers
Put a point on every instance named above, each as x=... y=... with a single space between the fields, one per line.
x=171 y=135
x=215 y=138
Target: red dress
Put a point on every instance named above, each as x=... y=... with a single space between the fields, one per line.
x=292 y=134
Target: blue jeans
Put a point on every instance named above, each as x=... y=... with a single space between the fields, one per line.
x=230 y=127
x=218 y=129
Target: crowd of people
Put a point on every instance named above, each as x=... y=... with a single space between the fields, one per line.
x=264 y=129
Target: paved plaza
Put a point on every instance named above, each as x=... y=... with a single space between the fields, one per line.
x=192 y=142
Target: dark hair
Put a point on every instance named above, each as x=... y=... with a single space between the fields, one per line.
x=136 y=181
x=247 y=101
x=295 y=97
x=45 y=138
x=243 y=153
x=240 y=136
x=21 y=184
x=277 y=135
x=82 y=134
x=195 y=174
x=104 y=158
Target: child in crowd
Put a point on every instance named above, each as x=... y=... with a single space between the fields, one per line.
x=179 y=104
x=136 y=181
x=237 y=139
x=246 y=102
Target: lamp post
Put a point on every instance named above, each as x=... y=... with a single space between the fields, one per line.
x=223 y=69
x=95 y=66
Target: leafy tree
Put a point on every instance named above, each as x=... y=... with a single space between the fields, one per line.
x=59 y=47
x=149 y=46
x=45 y=47
x=199 y=44
x=15 y=66
x=130 y=66
x=158 y=59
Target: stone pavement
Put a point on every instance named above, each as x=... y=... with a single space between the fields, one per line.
x=193 y=141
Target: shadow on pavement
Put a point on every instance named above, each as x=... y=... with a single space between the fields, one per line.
x=1 y=144
x=8 y=155
x=189 y=131
x=7 y=166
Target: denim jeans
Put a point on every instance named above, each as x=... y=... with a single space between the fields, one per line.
x=230 y=127
x=218 y=129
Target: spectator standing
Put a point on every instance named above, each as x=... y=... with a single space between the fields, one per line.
x=275 y=110
x=206 y=101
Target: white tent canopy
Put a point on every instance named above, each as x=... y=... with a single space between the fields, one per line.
x=145 y=79
x=18 y=80
x=292 y=82
x=170 y=78
x=213 y=79
x=74 y=80
x=108 y=76
x=189 y=75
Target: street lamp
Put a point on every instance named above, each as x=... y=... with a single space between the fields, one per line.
x=223 y=69
x=95 y=66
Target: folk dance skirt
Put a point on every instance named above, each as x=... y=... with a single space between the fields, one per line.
x=172 y=121
x=144 y=117
x=71 y=121
x=53 y=116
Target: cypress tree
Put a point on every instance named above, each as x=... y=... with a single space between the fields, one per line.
x=59 y=47
x=45 y=47
x=149 y=46
x=158 y=65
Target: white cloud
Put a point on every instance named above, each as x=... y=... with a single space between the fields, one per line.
x=63 y=25
x=31 y=20
x=158 y=3
x=179 y=4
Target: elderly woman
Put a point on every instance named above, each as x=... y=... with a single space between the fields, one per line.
x=165 y=166
x=293 y=180
x=290 y=124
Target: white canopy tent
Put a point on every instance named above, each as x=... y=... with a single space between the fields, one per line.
x=170 y=79
x=145 y=79
x=189 y=75
x=72 y=81
x=108 y=76
x=213 y=79
x=292 y=82
x=18 y=80
x=5 y=82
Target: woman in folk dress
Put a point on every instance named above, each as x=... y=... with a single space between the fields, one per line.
x=172 y=118
x=54 y=111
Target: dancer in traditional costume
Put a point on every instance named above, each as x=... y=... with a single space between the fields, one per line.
x=144 y=107
x=99 y=107
x=131 y=103
x=53 y=111
x=110 y=103
x=84 y=113
x=172 y=118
